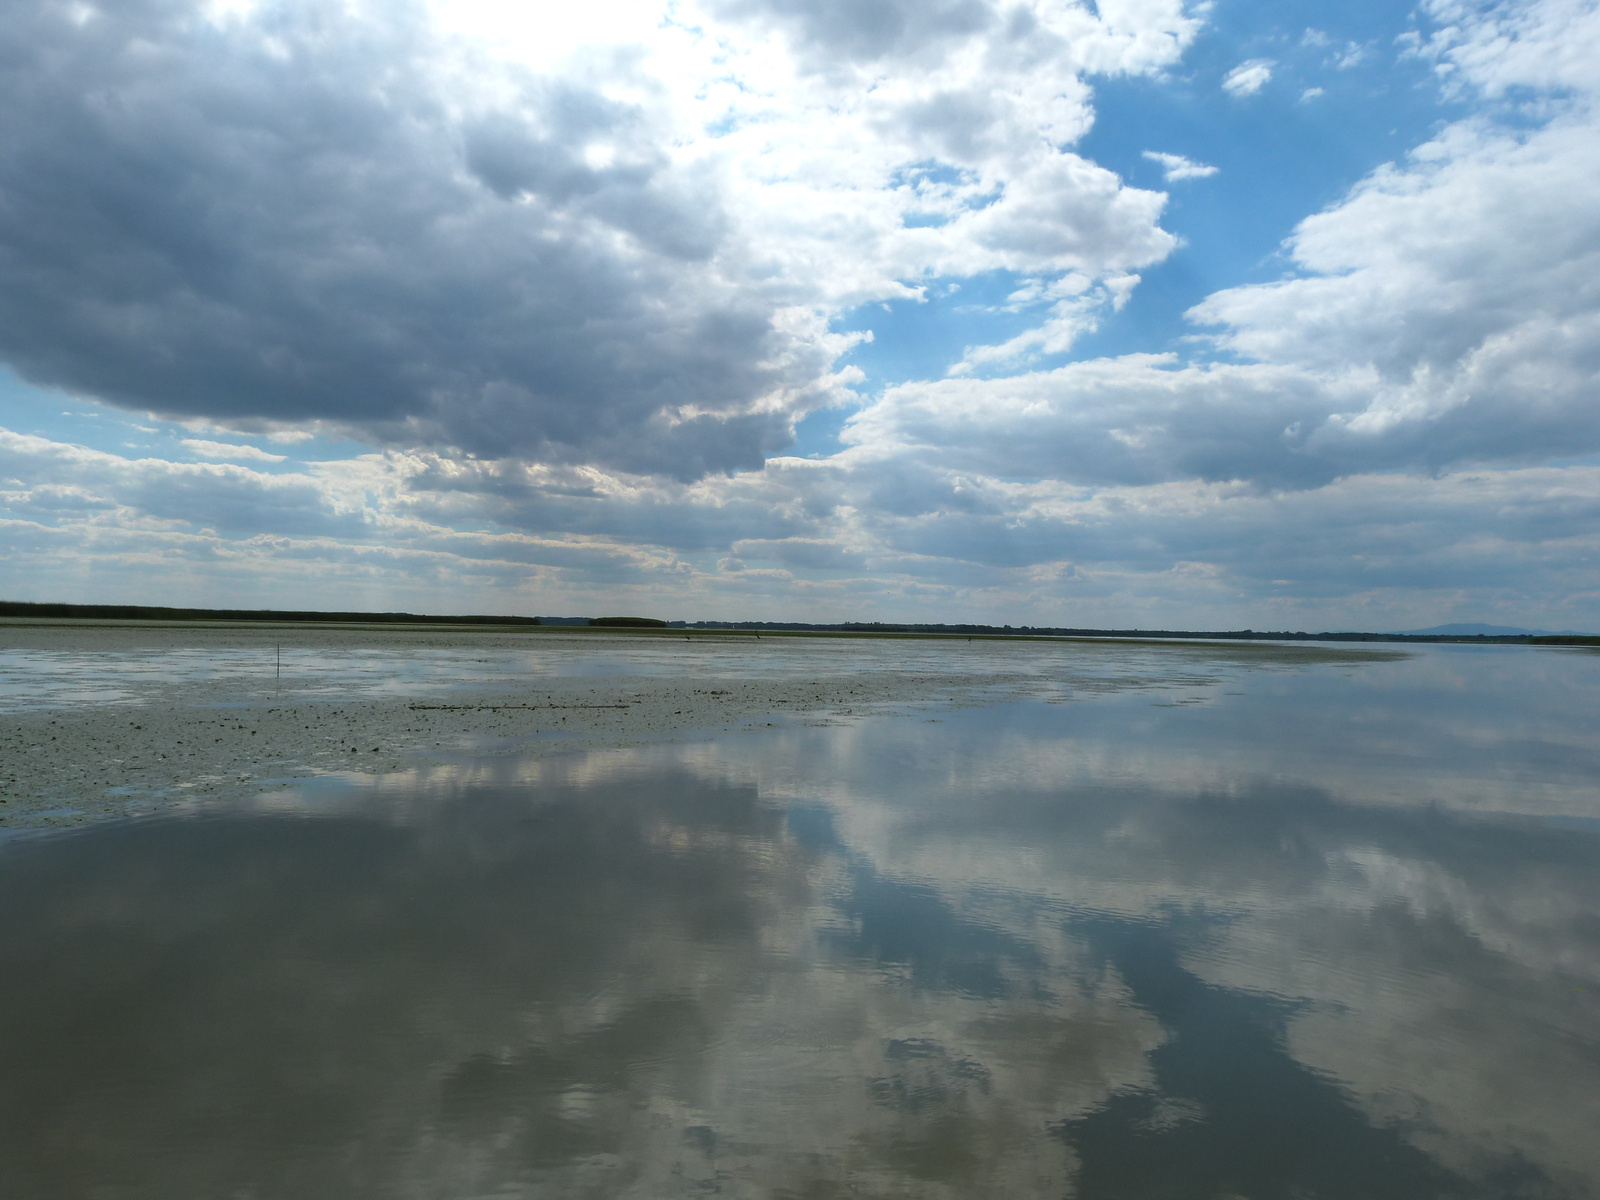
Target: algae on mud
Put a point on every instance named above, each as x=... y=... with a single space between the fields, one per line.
x=97 y=716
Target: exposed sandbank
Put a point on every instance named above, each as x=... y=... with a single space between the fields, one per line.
x=97 y=718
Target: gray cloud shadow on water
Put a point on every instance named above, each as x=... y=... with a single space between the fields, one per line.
x=197 y=1008
x=482 y=991
x=474 y=993
x=1431 y=970
x=1249 y=1120
x=1230 y=1110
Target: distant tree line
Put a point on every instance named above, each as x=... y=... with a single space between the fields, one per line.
x=141 y=612
x=145 y=612
x=879 y=627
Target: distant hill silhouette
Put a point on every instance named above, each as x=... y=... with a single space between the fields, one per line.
x=1470 y=629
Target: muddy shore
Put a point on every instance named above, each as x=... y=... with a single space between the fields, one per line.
x=102 y=718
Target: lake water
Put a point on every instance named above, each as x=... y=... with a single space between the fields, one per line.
x=1321 y=932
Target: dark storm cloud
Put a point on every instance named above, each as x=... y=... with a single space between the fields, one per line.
x=524 y=159
x=286 y=219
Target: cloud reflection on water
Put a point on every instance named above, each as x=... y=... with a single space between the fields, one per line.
x=1013 y=952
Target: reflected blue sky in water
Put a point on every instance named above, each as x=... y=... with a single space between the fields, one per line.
x=1324 y=932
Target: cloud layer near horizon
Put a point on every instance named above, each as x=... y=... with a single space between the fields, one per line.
x=575 y=284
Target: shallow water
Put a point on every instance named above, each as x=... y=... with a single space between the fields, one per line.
x=90 y=666
x=1313 y=932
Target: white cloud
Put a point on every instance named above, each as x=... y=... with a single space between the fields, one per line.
x=1445 y=312
x=1545 y=45
x=1454 y=297
x=1249 y=77
x=1351 y=56
x=230 y=450
x=1176 y=167
x=1348 y=55
x=1076 y=307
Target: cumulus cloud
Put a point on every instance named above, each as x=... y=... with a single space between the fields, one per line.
x=1176 y=167
x=1450 y=303
x=630 y=255
x=1445 y=312
x=1249 y=77
x=1137 y=420
x=566 y=301
x=258 y=220
x=870 y=30
x=1544 y=45
x=1105 y=38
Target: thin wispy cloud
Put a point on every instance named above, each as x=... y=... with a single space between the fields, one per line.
x=230 y=450
x=1177 y=168
x=1248 y=78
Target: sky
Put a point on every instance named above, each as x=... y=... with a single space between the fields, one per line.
x=1121 y=313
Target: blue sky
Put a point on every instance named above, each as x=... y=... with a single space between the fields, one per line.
x=1279 y=315
x=1278 y=159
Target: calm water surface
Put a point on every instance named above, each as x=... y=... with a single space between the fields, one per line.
x=1326 y=932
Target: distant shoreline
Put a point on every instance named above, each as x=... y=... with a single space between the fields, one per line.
x=26 y=610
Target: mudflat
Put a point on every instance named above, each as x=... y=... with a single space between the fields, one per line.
x=101 y=718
